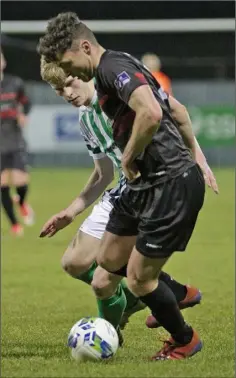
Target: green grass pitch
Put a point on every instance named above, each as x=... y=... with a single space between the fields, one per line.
x=40 y=302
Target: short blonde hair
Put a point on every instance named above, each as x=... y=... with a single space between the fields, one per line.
x=52 y=73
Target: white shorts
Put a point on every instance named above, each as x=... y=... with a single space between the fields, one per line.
x=95 y=224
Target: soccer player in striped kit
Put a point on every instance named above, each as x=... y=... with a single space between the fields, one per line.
x=15 y=107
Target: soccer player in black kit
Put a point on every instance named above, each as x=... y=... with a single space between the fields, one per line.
x=15 y=106
x=165 y=187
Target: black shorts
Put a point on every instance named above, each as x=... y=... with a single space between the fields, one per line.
x=163 y=217
x=14 y=160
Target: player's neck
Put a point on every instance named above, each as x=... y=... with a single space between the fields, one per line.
x=91 y=90
x=97 y=56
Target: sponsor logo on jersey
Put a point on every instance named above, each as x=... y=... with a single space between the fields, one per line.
x=122 y=79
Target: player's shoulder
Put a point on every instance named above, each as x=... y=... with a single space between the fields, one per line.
x=112 y=55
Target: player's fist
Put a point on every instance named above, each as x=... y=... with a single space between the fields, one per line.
x=56 y=223
x=130 y=170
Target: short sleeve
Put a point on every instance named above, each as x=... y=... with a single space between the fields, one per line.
x=121 y=75
x=93 y=147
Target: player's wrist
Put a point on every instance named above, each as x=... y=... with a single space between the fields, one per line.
x=76 y=208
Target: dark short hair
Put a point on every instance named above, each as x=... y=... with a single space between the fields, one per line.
x=61 y=31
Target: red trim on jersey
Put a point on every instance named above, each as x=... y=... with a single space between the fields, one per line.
x=141 y=77
x=103 y=100
x=23 y=100
x=9 y=113
x=8 y=96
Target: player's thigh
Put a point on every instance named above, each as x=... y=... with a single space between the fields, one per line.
x=119 y=237
x=19 y=169
x=115 y=251
x=6 y=165
x=167 y=225
x=5 y=177
x=80 y=254
x=19 y=177
x=142 y=272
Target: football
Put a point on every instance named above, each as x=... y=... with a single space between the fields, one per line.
x=92 y=339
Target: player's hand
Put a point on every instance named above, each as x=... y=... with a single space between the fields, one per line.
x=130 y=170
x=209 y=177
x=56 y=223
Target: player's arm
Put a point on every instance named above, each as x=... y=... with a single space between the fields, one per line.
x=182 y=118
x=148 y=115
x=24 y=104
x=101 y=177
x=122 y=76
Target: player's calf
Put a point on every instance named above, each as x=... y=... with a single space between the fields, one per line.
x=192 y=298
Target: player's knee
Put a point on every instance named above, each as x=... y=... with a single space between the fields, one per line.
x=102 y=284
x=74 y=266
x=139 y=286
x=103 y=261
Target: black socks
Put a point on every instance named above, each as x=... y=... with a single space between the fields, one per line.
x=8 y=204
x=164 y=307
x=179 y=290
x=22 y=191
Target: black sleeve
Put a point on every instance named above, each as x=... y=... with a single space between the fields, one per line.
x=22 y=98
x=121 y=75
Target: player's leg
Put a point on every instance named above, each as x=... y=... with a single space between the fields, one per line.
x=6 y=199
x=169 y=228
x=110 y=295
x=166 y=229
x=79 y=262
x=20 y=180
x=187 y=296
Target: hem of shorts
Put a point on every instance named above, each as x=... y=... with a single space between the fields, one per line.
x=90 y=233
x=160 y=255
x=120 y=232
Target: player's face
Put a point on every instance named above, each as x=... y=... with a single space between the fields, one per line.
x=75 y=91
x=77 y=61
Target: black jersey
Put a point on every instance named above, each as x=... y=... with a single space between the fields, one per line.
x=13 y=98
x=117 y=76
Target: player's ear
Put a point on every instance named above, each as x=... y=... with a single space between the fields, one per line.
x=86 y=47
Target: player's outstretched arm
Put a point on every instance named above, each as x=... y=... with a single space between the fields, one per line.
x=101 y=177
x=148 y=115
x=181 y=116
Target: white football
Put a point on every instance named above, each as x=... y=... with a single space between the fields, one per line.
x=92 y=339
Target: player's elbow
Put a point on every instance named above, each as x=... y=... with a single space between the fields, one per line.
x=106 y=176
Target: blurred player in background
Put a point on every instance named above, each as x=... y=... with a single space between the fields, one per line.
x=153 y=63
x=15 y=107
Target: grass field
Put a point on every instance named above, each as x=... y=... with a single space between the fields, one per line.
x=40 y=303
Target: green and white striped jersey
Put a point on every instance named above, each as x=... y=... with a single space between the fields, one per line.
x=96 y=130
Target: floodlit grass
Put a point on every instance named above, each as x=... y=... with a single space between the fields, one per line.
x=40 y=303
